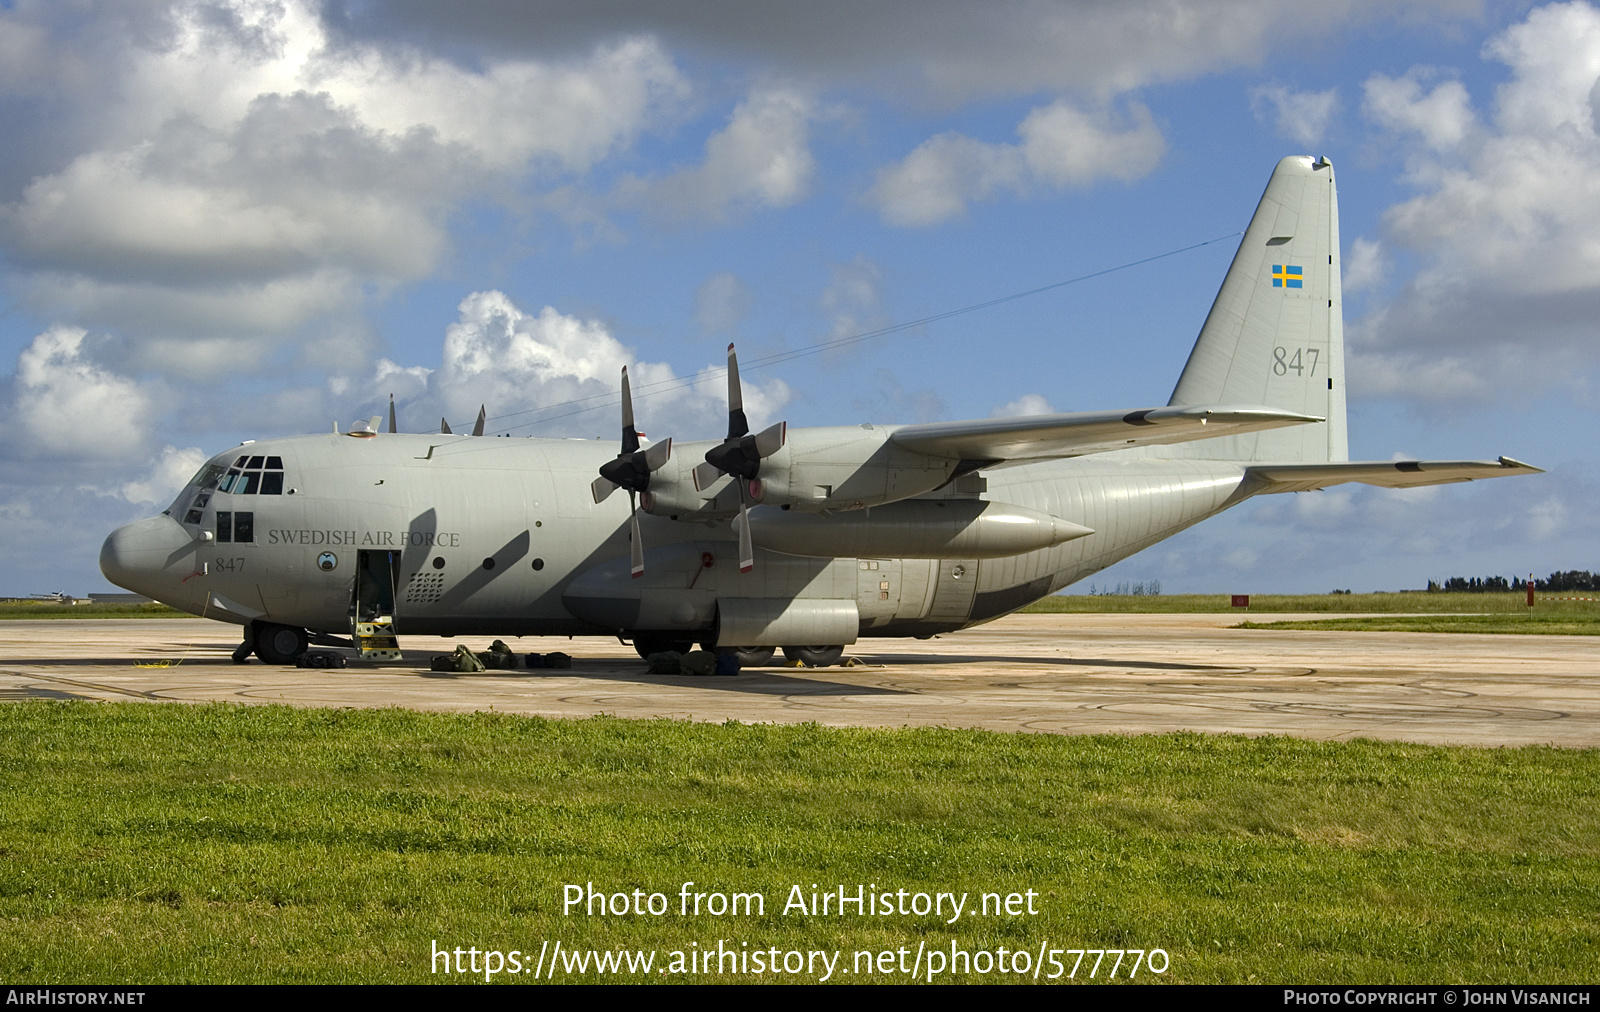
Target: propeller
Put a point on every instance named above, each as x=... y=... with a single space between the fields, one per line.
x=444 y=428
x=631 y=470
x=392 y=428
x=740 y=456
x=477 y=428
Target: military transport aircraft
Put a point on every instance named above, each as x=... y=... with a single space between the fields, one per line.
x=805 y=539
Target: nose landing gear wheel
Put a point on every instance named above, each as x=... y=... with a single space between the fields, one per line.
x=280 y=644
x=814 y=657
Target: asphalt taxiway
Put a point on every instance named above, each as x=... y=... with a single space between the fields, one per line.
x=1064 y=674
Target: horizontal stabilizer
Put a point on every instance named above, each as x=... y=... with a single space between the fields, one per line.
x=1384 y=473
x=1044 y=437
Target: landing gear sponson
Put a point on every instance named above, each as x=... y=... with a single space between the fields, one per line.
x=749 y=657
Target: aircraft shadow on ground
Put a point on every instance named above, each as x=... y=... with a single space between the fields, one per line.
x=756 y=680
x=12 y=694
x=899 y=660
x=210 y=654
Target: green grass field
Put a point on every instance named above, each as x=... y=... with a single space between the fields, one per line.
x=1439 y=612
x=147 y=844
x=51 y=609
x=1400 y=601
x=1546 y=623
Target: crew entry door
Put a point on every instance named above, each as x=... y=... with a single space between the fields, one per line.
x=372 y=605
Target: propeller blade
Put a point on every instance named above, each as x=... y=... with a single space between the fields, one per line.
x=391 y=414
x=602 y=489
x=636 y=546
x=630 y=434
x=477 y=429
x=737 y=424
x=705 y=475
x=740 y=453
x=444 y=428
x=747 y=551
x=656 y=455
x=374 y=422
x=770 y=440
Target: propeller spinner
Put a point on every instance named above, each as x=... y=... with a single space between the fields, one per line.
x=740 y=456
x=631 y=470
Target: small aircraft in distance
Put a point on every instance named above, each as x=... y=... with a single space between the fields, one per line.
x=805 y=539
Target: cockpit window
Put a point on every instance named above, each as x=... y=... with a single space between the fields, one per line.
x=203 y=482
x=207 y=476
x=258 y=475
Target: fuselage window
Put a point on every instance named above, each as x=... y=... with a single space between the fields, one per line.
x=224 y=527
x=244 y=527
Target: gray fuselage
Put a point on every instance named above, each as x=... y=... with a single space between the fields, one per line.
x=501 y=536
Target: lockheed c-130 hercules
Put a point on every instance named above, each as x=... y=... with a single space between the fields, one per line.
x=805 y=539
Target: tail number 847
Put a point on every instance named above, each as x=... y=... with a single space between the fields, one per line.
x=1300 y=361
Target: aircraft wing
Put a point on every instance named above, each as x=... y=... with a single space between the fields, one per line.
x=1385 y=473
x=1043 y=437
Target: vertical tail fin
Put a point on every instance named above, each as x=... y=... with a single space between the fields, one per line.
x=1275 y=335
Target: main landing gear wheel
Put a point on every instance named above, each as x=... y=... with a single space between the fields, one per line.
x=659 y=643
x=280 y=644
x=814 y=657
x=752 y=657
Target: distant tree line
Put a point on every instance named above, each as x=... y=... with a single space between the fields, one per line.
x=1577 y=579
x=1151 y=589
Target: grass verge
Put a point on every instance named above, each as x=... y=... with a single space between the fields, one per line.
x=220 y=843
x=1400 y=601
x=51 y=609
x=1550 y=624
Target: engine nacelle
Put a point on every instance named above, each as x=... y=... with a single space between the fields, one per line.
x=838 y=468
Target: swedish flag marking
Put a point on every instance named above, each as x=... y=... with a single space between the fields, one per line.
x=1285 y=276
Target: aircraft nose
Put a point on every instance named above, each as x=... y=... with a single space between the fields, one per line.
x=139 y=555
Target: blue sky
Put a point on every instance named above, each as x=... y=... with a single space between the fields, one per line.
x=222 y=221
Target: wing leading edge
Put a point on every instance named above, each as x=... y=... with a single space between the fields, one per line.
x=1045 y=437
x=1384 y=473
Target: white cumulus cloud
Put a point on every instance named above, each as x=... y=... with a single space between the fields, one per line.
x=1301 y=116
x=1060 y=146
x=1027 y=404
x=1507 y=294
x=167 y=473
x=518 y=362
x=762 y=158
x=245 y=175
x=68 y=406
x=1442 y=116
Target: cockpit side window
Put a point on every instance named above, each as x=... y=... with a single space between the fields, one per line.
x=191 y=502
x=197 y=507
x=207 y=476
x=236 y=527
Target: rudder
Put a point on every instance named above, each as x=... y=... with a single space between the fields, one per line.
x=1275 y=334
